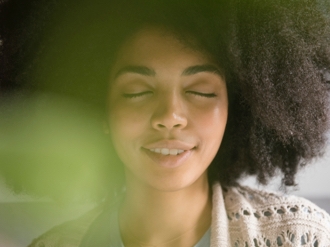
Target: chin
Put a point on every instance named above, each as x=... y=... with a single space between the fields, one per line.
x=176 y=184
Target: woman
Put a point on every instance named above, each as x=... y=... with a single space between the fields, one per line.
x=199 y=94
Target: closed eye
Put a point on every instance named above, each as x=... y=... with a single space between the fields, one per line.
x=206 y=95
x=136 y=95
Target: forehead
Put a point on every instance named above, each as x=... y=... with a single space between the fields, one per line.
x=158 y=46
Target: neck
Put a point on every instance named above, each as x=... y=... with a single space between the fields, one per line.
x=150 y=217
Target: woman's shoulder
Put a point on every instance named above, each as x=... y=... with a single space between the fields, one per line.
x=261 y=199
x=70 y=233
x=274 y=219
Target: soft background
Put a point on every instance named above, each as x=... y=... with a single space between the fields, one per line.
x=22 y=217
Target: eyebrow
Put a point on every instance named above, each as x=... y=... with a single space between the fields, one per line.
x=202 y=68
x=192 y=70
x=142 y=70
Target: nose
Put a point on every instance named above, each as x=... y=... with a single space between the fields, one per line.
x=169 y=114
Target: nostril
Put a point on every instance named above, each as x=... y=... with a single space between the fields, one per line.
x=168 y=121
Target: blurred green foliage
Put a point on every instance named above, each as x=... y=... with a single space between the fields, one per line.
x=55 y=146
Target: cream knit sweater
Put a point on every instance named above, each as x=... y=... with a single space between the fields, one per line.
x=241 y=217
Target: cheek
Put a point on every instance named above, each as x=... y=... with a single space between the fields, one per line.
x=211 y=122
x=126 y=124
x=210 y=126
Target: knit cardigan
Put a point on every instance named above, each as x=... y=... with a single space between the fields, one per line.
x=241 y=217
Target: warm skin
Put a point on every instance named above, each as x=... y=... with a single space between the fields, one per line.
x=164 y=95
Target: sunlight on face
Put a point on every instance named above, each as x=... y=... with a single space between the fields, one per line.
x=168 y=110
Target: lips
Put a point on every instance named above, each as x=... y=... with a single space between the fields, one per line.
x=168 y=153
x=169 y=144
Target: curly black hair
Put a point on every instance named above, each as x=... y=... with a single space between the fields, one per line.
x=274 y=54
x=279 y=52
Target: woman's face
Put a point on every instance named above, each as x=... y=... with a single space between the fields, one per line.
x=168 y=109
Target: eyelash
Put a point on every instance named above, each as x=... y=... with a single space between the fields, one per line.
x=136 y=95
x=206 y=95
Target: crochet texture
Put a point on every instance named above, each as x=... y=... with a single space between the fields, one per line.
x=257 y=218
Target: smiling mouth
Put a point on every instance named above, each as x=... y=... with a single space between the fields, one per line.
x=169 y=157
x=167 y=151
